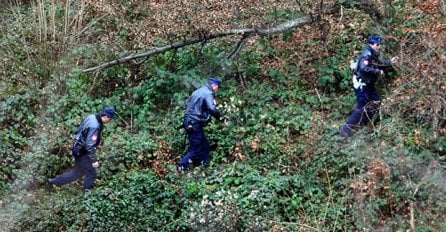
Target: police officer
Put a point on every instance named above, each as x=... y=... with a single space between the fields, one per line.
x=368 y=69
x=199 y=109
x=88 y=138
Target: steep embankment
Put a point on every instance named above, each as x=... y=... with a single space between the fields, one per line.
x=279 y=164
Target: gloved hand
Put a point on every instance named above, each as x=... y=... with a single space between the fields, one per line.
x=394 y=60
x=95 y=164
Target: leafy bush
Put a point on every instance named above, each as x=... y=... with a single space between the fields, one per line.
x=133 y=202
x=279 y=164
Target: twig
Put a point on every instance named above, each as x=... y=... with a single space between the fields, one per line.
x=412 y=210
x=412 y=204
x=294 y=224
x=412 y=217
x=319 y=96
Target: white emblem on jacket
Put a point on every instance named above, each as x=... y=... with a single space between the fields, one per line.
x=358 y=84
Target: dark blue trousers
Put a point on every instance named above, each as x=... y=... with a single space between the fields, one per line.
x=82 y=167
x=199 y=148
x=367 y=104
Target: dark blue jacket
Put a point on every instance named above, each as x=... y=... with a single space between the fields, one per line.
x=89 y=135
x=369 y=66
x=201 y=105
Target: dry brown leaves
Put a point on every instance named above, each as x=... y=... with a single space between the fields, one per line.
x=162 y=158
x=430 y=6
x=255 y=144
x=170 y=20
x=376 y=181
x=237 y=153
x=442 y=131
x=422 y=69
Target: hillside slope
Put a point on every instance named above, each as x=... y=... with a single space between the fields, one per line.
x=279 y=164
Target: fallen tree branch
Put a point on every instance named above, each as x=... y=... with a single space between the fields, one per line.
x=234 y=53
x=247 y=31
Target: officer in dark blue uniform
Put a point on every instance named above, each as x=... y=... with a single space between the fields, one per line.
x=368 y=69
x=199 y=109
x=88 y=138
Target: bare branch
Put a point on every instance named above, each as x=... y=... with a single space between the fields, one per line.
x=234 y=53
x=239 y=47
x=246 y=31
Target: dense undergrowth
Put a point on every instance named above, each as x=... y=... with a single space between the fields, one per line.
x=279 y=164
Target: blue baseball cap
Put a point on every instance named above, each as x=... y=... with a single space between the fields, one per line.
x=109 y=112
x=215 y=81
x=375 y=39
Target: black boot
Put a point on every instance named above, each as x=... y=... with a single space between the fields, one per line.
x=50 y=185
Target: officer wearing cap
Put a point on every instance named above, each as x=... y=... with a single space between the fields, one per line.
x=199 y=109
x=368 y=69
x=87 y=139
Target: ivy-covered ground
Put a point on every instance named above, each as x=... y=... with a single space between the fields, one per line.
x=278 y=164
